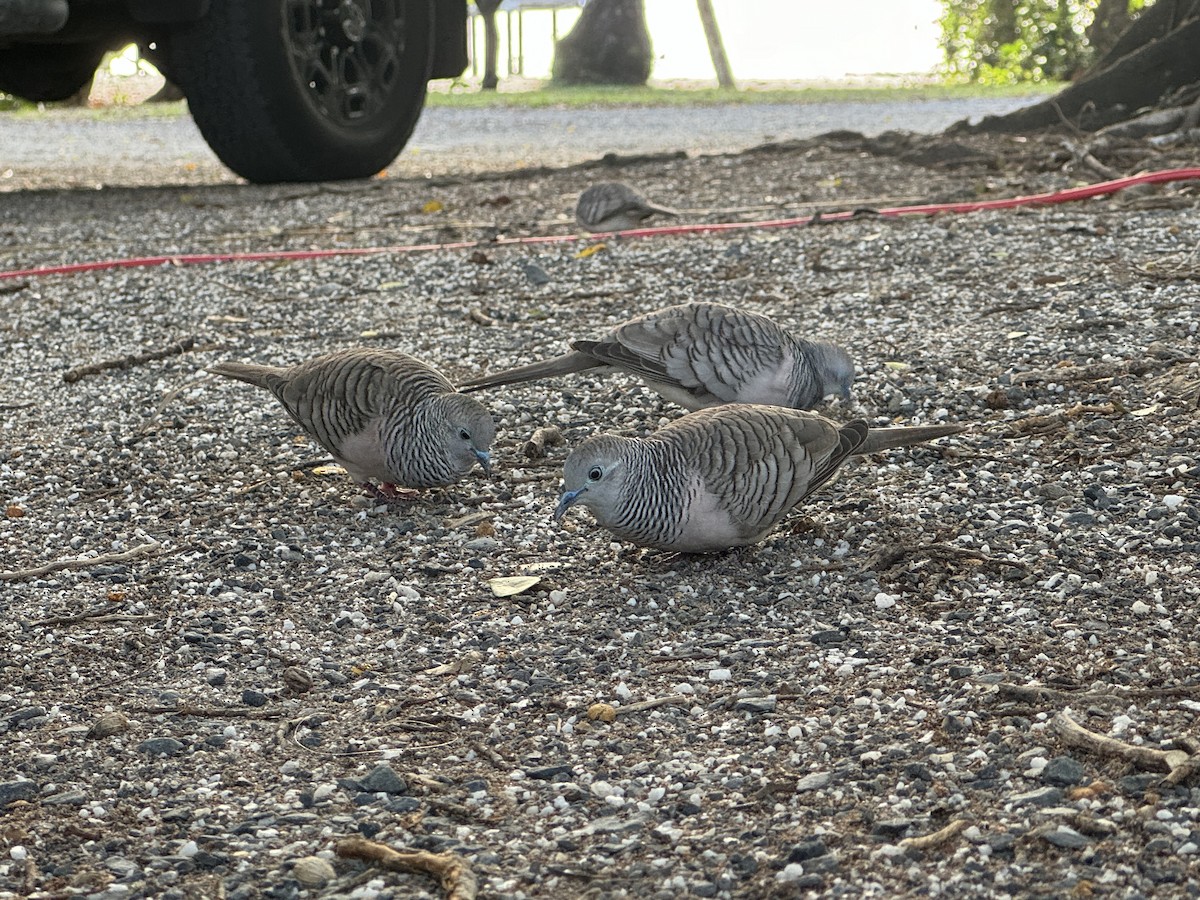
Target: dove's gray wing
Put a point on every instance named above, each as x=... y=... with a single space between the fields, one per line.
x=755 y=464
x=702 y=354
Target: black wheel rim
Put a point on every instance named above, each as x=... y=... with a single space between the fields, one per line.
x=347 y=54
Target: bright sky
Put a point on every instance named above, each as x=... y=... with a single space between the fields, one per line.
x=766 y=39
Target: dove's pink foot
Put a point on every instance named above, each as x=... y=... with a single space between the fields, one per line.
x=389 y=492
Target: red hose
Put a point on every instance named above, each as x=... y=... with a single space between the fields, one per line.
x=928 y=209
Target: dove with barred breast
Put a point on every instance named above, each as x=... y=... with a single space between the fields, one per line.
x=718 y=478
x=385 y=416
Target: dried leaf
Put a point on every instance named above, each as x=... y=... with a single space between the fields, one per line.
x=432 y=206
x=511 y=585
x=897 y=366
x=1013 y=335
x=589 y=251
x=13 y=511
x=328 y=470
x=605 y=712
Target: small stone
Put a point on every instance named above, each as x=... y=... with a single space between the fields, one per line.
x=826 y=863
x=313 y=872
x=297 y=680
x=1067 y=838
x=814 y=782
x=160 y=746
x=890 y=829
x=65 y=798
x=107 y=725
x=1049 y=796
x=535 y=274
x=124 y=869
x=383 y=779
x=809 y=849
x=1063 y=771
x=546 y=773
x=254 y=698
x=759 y=705
x=791 y=872
x=215 y=676
x=719 y=674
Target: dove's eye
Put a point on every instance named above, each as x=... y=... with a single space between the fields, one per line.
x=464 y=434
x=595 y=473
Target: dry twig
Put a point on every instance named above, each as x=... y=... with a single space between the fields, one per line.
x=452 y=872
x=125 y=362
x=937 y=838
x=1180 y=764
x=546 y=436
x=81 y=562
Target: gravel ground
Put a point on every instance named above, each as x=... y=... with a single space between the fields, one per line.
x=242 y=662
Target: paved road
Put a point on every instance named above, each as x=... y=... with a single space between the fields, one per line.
x=82 y=147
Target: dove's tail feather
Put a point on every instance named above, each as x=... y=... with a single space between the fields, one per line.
x=251 y=373
x=903 y=436
x=548 y=368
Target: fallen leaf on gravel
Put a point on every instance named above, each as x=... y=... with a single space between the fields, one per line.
x=432 y=206
x=330 y=469
x=511 y=585
x=589 y=251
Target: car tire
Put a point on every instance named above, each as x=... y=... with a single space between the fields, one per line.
x=305 y=90
x=48 y=72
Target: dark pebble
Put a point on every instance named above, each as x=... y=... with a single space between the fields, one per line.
x=160 y=746
x=546 y=773
x=809 y=849
x=254 y=698
x=383 y=779
x=1050 y=796
x=11 y=791
x=1063 y=771
x=1067 y=838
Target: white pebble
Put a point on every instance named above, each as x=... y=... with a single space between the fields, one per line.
x=1170 y=501
x=1139 y=608
x=791 y=872
x=719 y=674
x=885 y=601
x=188 y=850
x=18 y=852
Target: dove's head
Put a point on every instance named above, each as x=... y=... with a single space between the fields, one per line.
x=594 y=476
x=835 y=368
x=469 y=432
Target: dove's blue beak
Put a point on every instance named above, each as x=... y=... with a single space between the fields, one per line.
x=565 y=502
x=484 y=460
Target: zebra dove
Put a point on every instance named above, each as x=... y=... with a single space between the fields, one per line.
x=384 y=415
x=614 y=206
x=718 y=478
x=704 y=354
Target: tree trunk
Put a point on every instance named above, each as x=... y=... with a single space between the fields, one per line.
x=491 y=42
x=610 y=44
x=716 y=47
x=1155 y=57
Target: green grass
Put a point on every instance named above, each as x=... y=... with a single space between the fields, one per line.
x=581 y=97
x=585 y=97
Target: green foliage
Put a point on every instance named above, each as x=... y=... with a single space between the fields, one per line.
x=1012 y=41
